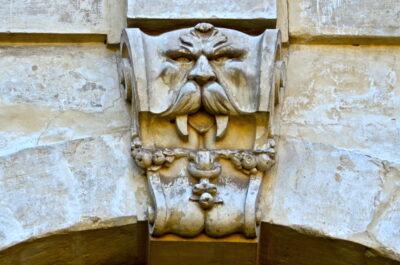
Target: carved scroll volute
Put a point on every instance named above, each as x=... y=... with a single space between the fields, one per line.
x=199 y=98
x=132 y=74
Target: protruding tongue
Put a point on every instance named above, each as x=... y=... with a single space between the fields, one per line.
x=202 y=123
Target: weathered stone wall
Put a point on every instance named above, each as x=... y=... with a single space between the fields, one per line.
x=64 y=17
x=344 y=20
x=64 y=131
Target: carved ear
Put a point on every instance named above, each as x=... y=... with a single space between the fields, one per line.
x=271 y=70
x=132 y=73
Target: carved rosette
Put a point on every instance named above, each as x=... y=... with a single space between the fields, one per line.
x=203 y=100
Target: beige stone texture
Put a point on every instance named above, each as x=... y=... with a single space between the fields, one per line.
x=202 y=9
x=282 y=22
x=71 y=193
x=58 y=93
x=78 y=185
x=247 y=15
x=337 y=172
x=345 y=96
x=349 y=19
x=64 y=144
x=64 y=17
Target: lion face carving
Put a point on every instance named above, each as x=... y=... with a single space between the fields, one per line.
x=203 y=67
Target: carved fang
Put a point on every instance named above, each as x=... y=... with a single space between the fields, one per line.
x=222 y=125
x=182 y=126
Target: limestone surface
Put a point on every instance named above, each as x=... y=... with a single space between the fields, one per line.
x=65 y=131
x=310 y=19
x=63 y=17
x=78 y=185
x=64 y=143
x=202 y=9
x=58 y=93
x=252 y=16
x=345 y=96
x=338 y=161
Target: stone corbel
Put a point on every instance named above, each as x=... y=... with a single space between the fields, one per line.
x=202 y=101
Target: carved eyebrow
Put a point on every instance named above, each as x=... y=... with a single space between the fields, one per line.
x=173 y=54
x=229 y=52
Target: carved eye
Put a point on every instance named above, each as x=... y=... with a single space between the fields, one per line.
x=182 y=59
x=222 y=58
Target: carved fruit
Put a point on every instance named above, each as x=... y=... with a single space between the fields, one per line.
x=143 y=159
x=158 y=158
x=249 y=161
x=263 y=162
x=206 y=200
x=236 y=161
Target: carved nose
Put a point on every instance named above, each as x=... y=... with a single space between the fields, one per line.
x=202 y=72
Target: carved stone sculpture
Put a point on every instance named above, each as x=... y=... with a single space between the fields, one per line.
x=202 y=105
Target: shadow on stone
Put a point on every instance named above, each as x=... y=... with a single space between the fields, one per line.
x=127 y=245
x=124 y=245
x=281 y=245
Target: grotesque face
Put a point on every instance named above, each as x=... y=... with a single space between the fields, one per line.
x=203 y=68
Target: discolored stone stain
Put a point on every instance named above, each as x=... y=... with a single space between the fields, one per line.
x=92 y=86
x=34 y=67
x=338 y=177
x=66 y=17
x=346 y=162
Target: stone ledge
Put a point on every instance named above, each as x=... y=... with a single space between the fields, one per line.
x=159 y=25
x=50 y=38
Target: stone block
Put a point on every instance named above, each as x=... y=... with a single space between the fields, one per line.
x=64 y=17
x=350 y=20
x=174 y=250
x=322 y=191
x=327 y=190
x=78 y=185
x=385 y=227
x=58 y=93
x=248 y=15
x=344 y=96
x=64 y=143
